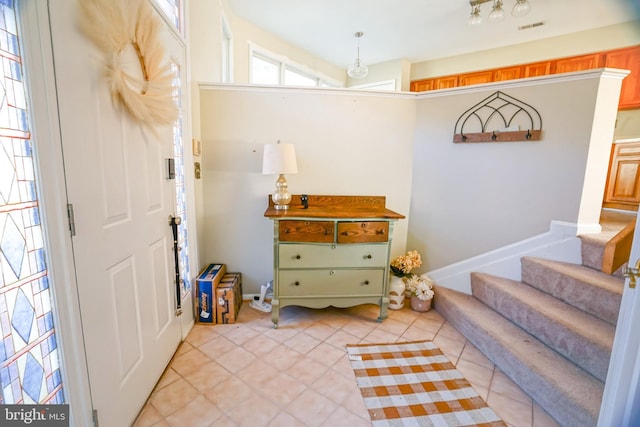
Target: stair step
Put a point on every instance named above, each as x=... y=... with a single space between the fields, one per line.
x=568 y=393
x=579 y=336
x=596 y=293
x=592 y=250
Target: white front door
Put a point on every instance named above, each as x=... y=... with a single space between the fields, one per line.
x=122 y=202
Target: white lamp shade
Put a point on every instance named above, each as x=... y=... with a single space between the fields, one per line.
x=279 y=159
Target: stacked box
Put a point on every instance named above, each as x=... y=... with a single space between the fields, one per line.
x=205 y=299
x=229 y=298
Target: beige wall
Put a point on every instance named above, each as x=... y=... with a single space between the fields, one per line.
x=347 y=143
x=605 y=38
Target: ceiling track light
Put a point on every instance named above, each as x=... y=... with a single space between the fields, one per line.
x=520 y=8
x=358 y=70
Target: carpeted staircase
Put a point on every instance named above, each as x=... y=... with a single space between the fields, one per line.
x=551 y=333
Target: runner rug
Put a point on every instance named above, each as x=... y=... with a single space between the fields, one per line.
x=414 y=384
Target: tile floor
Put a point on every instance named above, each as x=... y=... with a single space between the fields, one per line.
x=249 y=374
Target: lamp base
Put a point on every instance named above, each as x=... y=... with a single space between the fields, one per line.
x=281 y=198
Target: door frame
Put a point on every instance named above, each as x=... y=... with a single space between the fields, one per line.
x=40 y=75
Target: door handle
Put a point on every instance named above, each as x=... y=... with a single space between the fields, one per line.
x=174 y=222
x=633 y=273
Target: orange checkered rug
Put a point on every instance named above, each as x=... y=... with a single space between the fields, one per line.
x=414 y=384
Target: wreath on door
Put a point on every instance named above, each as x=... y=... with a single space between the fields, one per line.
x=116 y=26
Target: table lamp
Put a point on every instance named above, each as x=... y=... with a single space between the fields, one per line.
x=280 y=159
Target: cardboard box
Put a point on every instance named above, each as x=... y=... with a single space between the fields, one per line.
x=229 y=298
x=205 y=299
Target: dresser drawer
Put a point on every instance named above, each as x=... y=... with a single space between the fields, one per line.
x=327 y=256
x=321 y=283
x=363 y=232
x=306 y=231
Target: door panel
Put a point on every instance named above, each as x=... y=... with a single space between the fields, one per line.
x=115 y=178
x=623 y=182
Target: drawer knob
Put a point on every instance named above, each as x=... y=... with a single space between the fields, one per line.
x=298 y=257
x=296 y=284
x=286 y=231
x=331 y=273
x=380 y=231
x=368 y=256
x=366 y=282
x=363 y=225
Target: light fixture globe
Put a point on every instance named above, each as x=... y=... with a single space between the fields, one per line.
x=475 y=18
x=521 y=8
x=497 y=13
x=357 y=70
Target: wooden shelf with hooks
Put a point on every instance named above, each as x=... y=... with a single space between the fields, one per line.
x=520 y=135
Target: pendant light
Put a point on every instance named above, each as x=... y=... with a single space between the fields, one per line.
x=521 y=8
x=358 y=70
x=497 y=13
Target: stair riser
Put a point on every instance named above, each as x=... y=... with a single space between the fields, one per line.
x=543 y=389
x=592 y=254
x=589 y=355
x=592 y=299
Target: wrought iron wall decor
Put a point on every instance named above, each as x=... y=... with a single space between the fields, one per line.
x=504 y=115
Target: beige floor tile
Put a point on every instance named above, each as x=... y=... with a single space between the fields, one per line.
x=449 y=345
x=344 y=418
x=378 y=336
x=229 y=393
x=307 y=371
x=341 y=338
x=217 y=347
x=236 y=359
x=475 y=374
x=257 y=373
x=282 y=358
x=393 y=326
x=358 y=328
x=283 y=389
x=261 y=346
x=312 y=408
x=197 y=413
x=320 y=331
x=207 y=376
x=284 y=419
x=302 y=343
x=148 y=417
x=173 y=397
x=200 y=334
x=253 y=412
x=511 y=411
x=413 y=333
x=189 y=362
x=344 y=368
x=472 y=354
x=169 y=376
x=241 y=335
x=503 y=385
x=355 y=403
x=428 y=324
x=450 y=332
x=335 y=386
x=326 y=354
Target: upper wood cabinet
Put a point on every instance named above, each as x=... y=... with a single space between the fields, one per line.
x=626 y=59
x=579 y=63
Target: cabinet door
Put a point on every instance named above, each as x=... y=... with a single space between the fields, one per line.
x=623 y=184
x=508 y=73
x=422 y=85
x=475 y=78
x=445 y=82
x=579 y=63
x=627 y=59
x=538 y=69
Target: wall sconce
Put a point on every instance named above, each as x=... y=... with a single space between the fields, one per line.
x=280 y=159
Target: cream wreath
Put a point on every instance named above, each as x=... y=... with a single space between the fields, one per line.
x=118 y=25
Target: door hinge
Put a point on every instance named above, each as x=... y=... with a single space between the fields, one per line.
x=72 y=221
x=95 y=418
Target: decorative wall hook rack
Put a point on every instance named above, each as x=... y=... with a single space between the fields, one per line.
x=505 y=114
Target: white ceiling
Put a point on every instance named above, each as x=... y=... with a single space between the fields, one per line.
x=419 y=30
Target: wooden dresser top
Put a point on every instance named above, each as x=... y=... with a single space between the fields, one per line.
x=334 y=207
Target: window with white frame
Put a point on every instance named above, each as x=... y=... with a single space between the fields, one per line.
x=227 y=52
x=173 y=11
x=270 y=69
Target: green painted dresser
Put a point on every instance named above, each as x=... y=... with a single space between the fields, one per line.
x=335 y=252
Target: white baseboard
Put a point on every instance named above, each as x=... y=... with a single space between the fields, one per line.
x=559 y=243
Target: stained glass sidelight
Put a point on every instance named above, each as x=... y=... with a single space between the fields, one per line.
x=29 y=363
x=181 y=202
